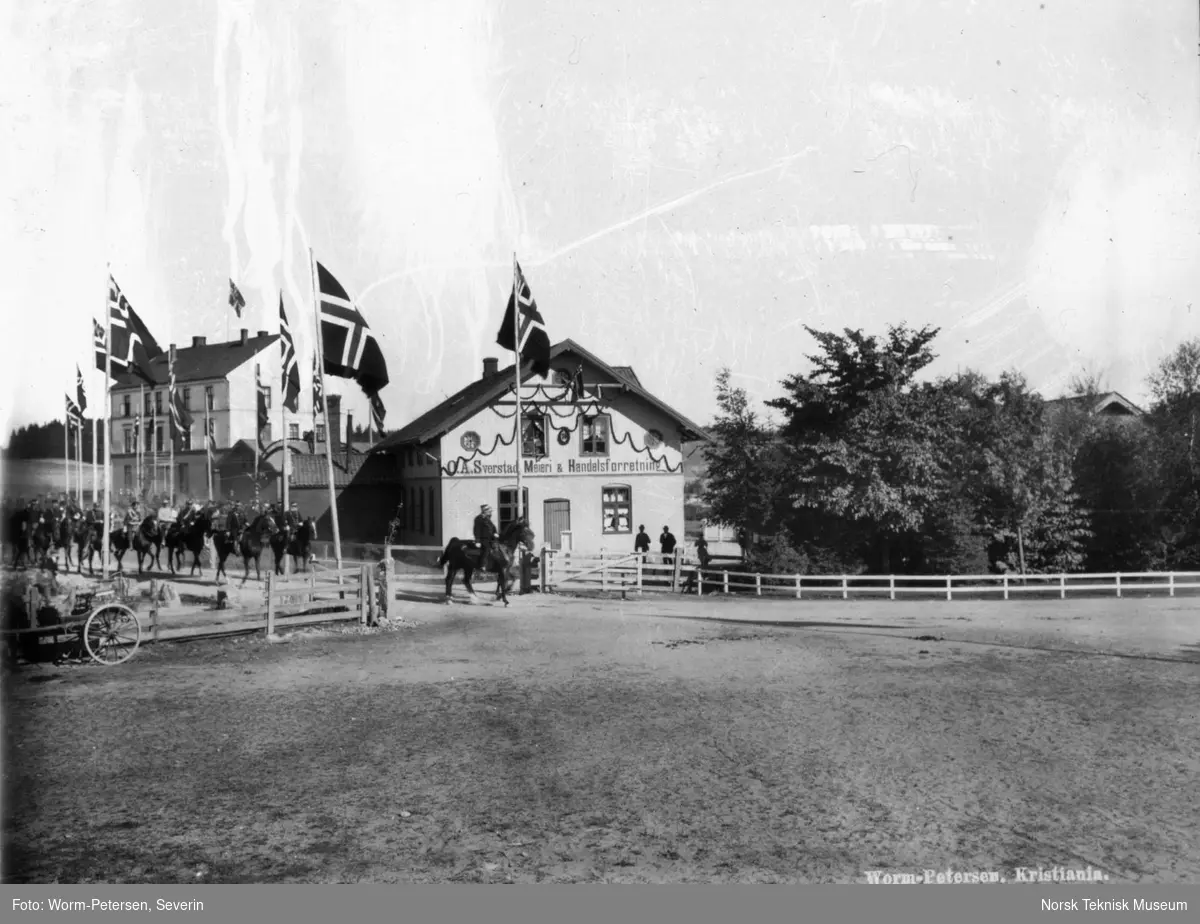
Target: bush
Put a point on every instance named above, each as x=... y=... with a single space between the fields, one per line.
x=776 y=555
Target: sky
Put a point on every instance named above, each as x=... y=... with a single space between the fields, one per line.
x=686 y=184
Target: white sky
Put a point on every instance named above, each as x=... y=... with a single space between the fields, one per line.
x=685 y=183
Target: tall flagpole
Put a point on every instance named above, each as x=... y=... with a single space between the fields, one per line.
x=286 y=449
x=257 y=425
x=95 y=467
x=67 y=447
x=337 y=536
x=141 y=439
x=106 y=509
x=171 y=428
x=79 y=459
x=208 y=450
x=517 y=367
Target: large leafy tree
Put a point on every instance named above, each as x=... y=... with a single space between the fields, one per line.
x=1175 y=422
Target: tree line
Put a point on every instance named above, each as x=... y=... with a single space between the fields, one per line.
x=869 y=470
x=45 y=441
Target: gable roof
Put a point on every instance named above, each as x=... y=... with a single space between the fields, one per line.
x=1111 y=403
x=470 y=400
x=310 y=471
x=194 y=363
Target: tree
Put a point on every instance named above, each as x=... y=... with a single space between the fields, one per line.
x=1174 y=420
x=743 y=485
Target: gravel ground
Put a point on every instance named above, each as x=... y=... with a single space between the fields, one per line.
x=570 y=740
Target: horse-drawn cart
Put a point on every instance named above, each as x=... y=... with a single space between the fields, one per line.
x=100 y=624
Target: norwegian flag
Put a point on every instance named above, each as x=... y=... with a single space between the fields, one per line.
x=236 y=302
x=181 y=420
x=378 y=413
x=79 y=393
x=532 y=342
x=350 y=349
x=132 y=345
x=99 y=343
x=291 y=372
x=264 y=415
x=318 y=397
x=74 y=415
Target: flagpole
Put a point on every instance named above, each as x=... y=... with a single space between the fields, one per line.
x=286 y=449
x=517 y=368
x=67 y=447
x=258 y=441
x=95 y=467
x=79 y=459
x=171 y=428
x=141 y=438
x=208 y=450
x=106 y=509
x=337 y=536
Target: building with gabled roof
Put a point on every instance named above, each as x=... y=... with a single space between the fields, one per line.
x=595 y=466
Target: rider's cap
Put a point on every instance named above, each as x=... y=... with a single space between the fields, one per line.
x=486 y=508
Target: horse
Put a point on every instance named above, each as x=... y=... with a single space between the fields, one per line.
x=194 y=538
x=463 y=556
x=254 y=540
x=297 y=543
x=20 y=533
x=225 y=540
x=41 y=538
x=64 y=538
x=147 y=542
x=89 y=538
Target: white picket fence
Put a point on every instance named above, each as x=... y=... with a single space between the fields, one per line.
x=633 y=573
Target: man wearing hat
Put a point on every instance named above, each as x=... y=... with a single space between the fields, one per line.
x=485 y=534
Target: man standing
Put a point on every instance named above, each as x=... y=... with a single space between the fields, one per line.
x=485 y=534
x=641 y=543
x=667 y=543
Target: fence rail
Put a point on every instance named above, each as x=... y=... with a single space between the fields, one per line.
x=347 y=589
x=639 y=574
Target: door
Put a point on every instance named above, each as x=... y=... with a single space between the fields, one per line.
x=558 y=521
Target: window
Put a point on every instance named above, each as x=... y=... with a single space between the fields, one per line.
x=181 y=479
x=149 y=435
x=129 y=439
x=507 y=506
x=129 y=476
x=126 y=409
x=293 y=431
x=593 y=436
x=618 y=508
x=267 y=395
x=187 y=399
x=146 y=403
x=432 y=528
x=421 y=509
x=410 y=508
x=185 y=439
x=319 y=433
x=158 y=439
x=533 y=436
x=158 y=404
x=209 y=398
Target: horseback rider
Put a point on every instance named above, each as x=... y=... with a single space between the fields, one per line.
x=291 y=519
x=133 y=517
x=485 y=534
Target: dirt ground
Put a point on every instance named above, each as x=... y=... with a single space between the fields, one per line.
x=570 y=740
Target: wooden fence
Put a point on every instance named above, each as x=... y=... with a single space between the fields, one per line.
x=639 y=574
x=347 y=589
x=409 y=574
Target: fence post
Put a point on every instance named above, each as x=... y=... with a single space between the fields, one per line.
x=948 y=586
x=699 y=581
x=1005 y=586
x=845 y=588
x=603 y=573
x=544 y=577
x=676 y=565
x=725 y=583
x=891 y=587
x=1062 y=587
x=372 y=614
x=153 y=610
x=758 y=585
x=1118 y=583
x=364 y=602
x=797 y=587
x=270 y=603
x=1171 y=584
x=312 y=584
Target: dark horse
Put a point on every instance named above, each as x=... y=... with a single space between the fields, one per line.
x=20 y=525
x=297 y=543
x=87 y=539
x=192 y=538
x=226 y=536
x=464 y=556
x=254 y=540
x=64 y=536
x=146 y=544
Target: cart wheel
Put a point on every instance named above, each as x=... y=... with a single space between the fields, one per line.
x=112 y=634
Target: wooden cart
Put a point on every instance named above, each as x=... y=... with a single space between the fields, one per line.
x=101 y=623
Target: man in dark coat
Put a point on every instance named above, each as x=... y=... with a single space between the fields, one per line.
x=667 y=543
x=485 y=534
x=641 y=542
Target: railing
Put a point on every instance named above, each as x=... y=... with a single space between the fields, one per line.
x=347 y=589
x=638 y=574
x=411 y=578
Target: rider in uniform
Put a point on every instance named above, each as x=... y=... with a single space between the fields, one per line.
x=132 y=519
x=485 y=534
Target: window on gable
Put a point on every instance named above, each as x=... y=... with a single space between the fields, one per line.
x=593 y=435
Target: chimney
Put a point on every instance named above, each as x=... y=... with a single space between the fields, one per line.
x=491 y=366
x=333 y=407
x=199 y=341
x=349 y=429
x=263 y=333
x=245 y=335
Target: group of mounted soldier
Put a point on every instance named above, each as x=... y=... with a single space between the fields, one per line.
x=38 y=528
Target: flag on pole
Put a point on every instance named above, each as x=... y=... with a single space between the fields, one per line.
x=132 y=345
x=291 y=371
x=181 y=419
x=210 y=440
x=533 y=342
x=236 y=302
x=378 y=413
x=264 y=417
x=74 y=415
x=577 y=384
x=318 y=398
x=79 y=393
x=351 y=351
x=100 y=343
